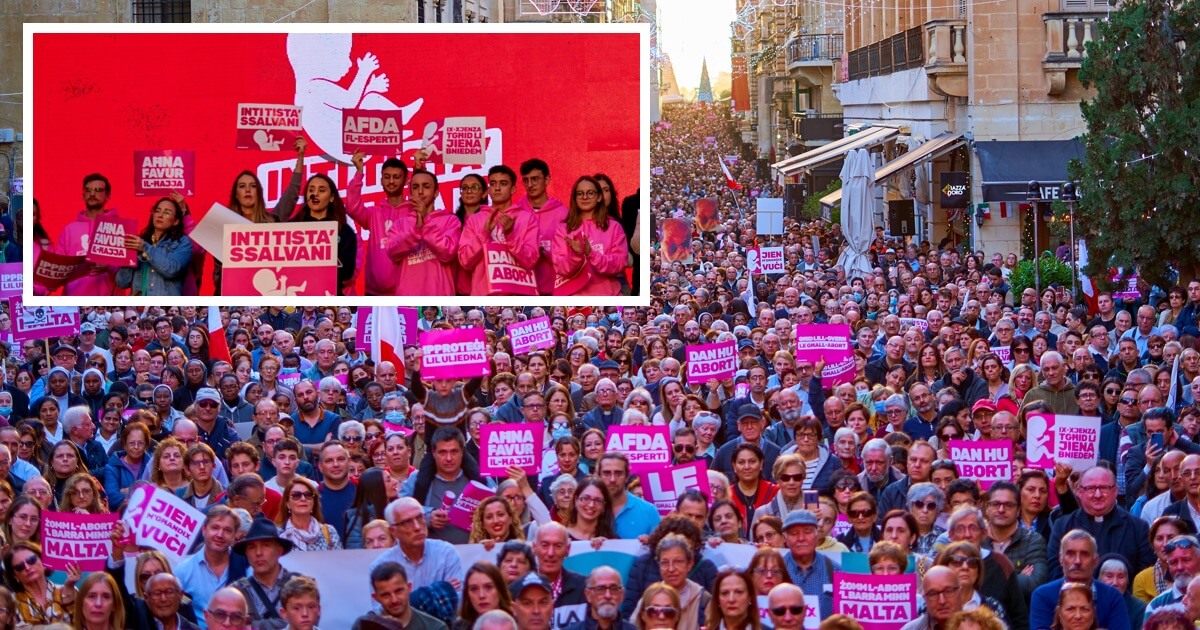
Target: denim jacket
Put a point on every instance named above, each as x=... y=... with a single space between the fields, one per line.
x=161 y=269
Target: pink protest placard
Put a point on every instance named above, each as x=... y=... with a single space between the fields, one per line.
x=531 y=335
x=373 y=131
x=986 y=461
x=770 y=260
x=906 y=322
x=366 y=319
x=505 y=276
x=464 y=505
x=456 y=140
x=1126 y=289
x=878 y=602
x=504 y=445
x=53 y=270
x=1004 y=352
x=460 y=353
x=1073 y=440
x=40 y=322
x=289 y=380
x=709 y=361
x=11 y=279
x=647 y=447
x=662 y=487
x=76 y=538
x=107 y=244
x=162 y=521
x=164 y=171
x=267 y=127
x=281 y=259
x=832 y=343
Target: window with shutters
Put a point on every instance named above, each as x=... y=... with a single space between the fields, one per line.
x=1085 y=6
x=162 y=11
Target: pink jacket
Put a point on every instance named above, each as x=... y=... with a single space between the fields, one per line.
x=522 y=242
x=73 y=241
x=382 y=274
x=608 y=258
x=550 y=216
x=425 y=256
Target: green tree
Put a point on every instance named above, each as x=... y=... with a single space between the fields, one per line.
x=1139 y=179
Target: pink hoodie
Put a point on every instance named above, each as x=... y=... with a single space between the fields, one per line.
x=550 y=216
x=522 y=242
x=382 y=274
x=608 y=258
x=426 y=257
x=73 y=241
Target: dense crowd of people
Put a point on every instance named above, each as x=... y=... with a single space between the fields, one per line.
x=415 y=246
x=298 y=441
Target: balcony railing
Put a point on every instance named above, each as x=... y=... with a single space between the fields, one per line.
x=815 y=48
x=1067 y=37
x=946 y=58
x=901 y=51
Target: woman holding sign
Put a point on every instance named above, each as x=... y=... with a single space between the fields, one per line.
x=424 y=243
x=589 y=250
x=323 y=203
x=39 y=602
x=163 y=252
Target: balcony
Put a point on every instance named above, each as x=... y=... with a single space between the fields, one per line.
x=946 y=58
x=1067 y=36
x=901 y=51
x=821 y=50
x=816 y=129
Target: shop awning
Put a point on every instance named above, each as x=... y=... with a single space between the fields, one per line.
x=865 y=139
x=1008 y=167
x=929 y=150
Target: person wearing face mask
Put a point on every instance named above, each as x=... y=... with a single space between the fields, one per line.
x=424 y=243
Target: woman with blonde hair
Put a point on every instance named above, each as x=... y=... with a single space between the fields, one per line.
x=167 y=470
x=1021 y=381
x=978 y=619
x=494 y=522
x=377 y=534
x=98 y=604
x=83 y=495
x=659 y=609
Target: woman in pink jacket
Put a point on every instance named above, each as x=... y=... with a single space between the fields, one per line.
x=589 y=249
x=424 y=243
x=505 y=225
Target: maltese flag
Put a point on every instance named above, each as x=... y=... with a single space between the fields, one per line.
x=387 y=344
x=729 y=181
x=218 y=347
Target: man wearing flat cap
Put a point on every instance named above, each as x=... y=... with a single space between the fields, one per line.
x=812 y=572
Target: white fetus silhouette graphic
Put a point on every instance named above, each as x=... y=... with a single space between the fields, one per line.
x=266 y=141
x=320 y=62
x=267 y=283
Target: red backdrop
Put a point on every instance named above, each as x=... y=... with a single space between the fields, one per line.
x=570 y=99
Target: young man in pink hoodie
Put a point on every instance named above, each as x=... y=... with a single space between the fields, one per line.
x=425 y=242
x=511 y=225
x=382 y=274
x=550 y=213
x=76 y=236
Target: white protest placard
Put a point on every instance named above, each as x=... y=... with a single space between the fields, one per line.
x=209 y=232
x=770 y=260
x=1073 y=440
x=770 y=216
x=909 y=322
x=162 y=521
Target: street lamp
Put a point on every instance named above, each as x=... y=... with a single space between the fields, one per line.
x=1069 y=197
x=1034 y=196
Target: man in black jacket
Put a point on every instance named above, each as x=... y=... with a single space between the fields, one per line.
x=604 y=593
x=551 y=546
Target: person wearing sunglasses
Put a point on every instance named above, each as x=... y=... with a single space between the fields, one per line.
x=659 y=608
x=785 y=605
x=38 y=600
x=1183 y=559
x=998 y=578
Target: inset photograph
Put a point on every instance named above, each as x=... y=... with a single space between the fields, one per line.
x=319 y=163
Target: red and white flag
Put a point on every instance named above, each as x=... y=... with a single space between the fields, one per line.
x=1010 y=209
x=729 y=180
x=218 y=347
x=386 y=342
